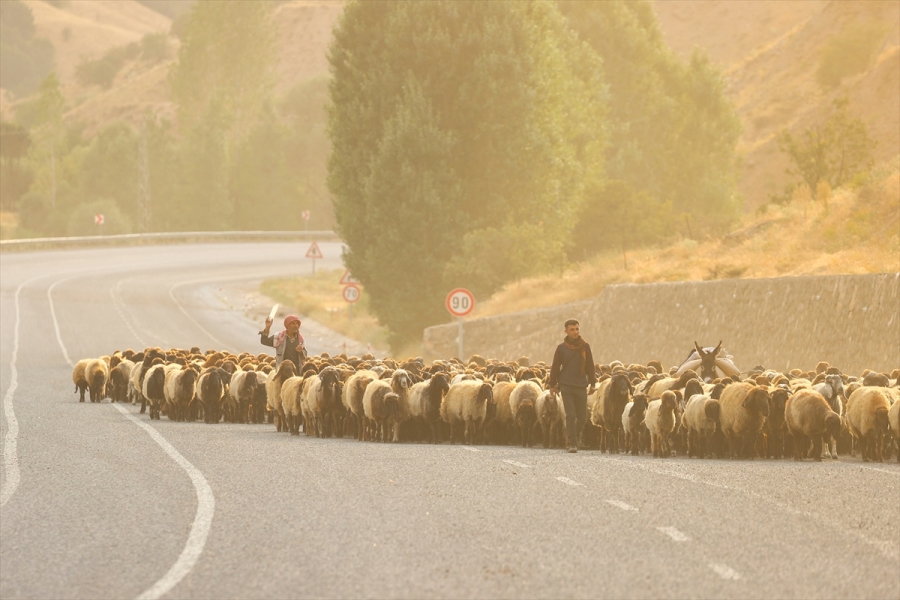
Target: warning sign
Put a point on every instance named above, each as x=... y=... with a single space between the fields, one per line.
x=314 y=251
x=348 y=279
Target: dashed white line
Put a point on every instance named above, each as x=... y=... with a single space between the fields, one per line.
x=674 y=534
x=470 y=448
x=568 y=481
x=725 y=572
x=517 y=464
x=621 y=505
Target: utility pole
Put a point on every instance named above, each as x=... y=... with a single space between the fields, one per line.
x=144 y=214
x=53 y=174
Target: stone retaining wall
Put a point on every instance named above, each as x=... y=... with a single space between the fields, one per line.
x=851 y=321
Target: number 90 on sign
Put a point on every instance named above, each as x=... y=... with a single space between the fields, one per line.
x=460 y=302
x=351 y=293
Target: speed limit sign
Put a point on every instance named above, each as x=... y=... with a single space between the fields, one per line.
x=351 y=293
x=460 y=302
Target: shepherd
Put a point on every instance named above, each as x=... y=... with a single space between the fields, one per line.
x=572 y=372
x=288 y=343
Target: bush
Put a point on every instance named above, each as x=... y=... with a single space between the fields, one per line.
x=848 y=53
x=155 y=47
x=103 y=71
x=34 y=209
x=81 y=221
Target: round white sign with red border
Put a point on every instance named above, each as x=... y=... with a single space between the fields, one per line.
x=351 y=293
x=460 y=302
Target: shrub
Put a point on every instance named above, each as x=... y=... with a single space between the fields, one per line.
x=848 y=53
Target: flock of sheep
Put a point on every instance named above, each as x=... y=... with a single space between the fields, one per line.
x=635 y=408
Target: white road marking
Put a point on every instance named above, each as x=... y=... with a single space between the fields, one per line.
x=517 y=464
x=56 y=322
x=725 y=572
x=470 y=448
x=568 y=481
x=674 y=534
x=206 y=502
x=206 y=506
x=11 y=440
x=621 y=505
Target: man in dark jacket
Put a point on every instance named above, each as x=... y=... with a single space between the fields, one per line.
x=571 y=373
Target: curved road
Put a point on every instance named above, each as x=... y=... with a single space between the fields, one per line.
x=97 y=502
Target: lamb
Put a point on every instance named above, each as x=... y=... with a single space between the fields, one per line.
x=701 y=419
x=425 y=399
x=209 y=389
x=612 y=396
x=179 y=391
x=273 y=390
x=323 y=396
x=894 y=421
x=809 y=417
x=352 y=397
x=660 y=421
x=119 y=378
x=551 y=416
x=382 y=406
x=632 y=422
x=466 y=404
x=153 y=389
x=96 y=372
x=745 y=407
x=78 y=377
x=291 y=394
x=867 y=419
x=522 y=405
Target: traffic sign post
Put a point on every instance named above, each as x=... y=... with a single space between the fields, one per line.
x=305 y=216
x=460 y=302
x=314 y=252
x=348 y=279
x=98 y=221
x=351 y=294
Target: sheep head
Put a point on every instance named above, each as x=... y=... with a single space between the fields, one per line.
x=757 y=401
x=712 y=410
x=639 y=406
x=668 y=402
x=833 y=425
x=400 y=381
x=692 y=388
x=485 y=393
x=391 y=405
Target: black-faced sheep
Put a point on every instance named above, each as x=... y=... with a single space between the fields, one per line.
x=701 y=420
x=633 y=422
x=808 y=417
x=209 y=389
x=382 y=406
x=425 y=399
x=244 y=387
x=323 y=396
x=97 y=374
x=745 y=407
x=464 y=408
x=660 y=421
x=867 y=419
x=522 y=405
x=612 y=396
x=119 y=378
x=551 y=416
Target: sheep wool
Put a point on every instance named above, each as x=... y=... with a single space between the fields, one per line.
x=465 y=408
x=867 y=419
x=808 y=417
x=744 y=408
x=522 y=404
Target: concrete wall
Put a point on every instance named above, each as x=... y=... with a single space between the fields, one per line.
x=851 y=321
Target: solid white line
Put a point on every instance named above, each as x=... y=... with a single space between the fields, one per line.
x=517 y=464
x=725 y=572
x=56 y=322
x=674 y=534
x=470 y=448
x=567 y=481
x=621 y=505
x=11 y=440
x=206 y=505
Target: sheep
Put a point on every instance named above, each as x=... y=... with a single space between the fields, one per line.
x=701 y=420
x=244 y=386
x=466 y=404
x=867 y=419
x=832 y=389
x=78 y=377
x=632 y=422
x=744 y=408
x=382 y=406
x=96 y=372
x=612 y=396
x=401 y=382
x=352 y=397
x=522 y=405
x=274 y=382
x=660 y=421
x=153 y=389
x=551 y=417
x=290 y=405
x=775 y=425
x=209 y=389
x=179 y=391
x=323 y=396
x=809 y=417
x=894 y=421
x=425 y=399
x=118 y=380
x=670 y=383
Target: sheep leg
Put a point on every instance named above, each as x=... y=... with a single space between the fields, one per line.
x=798 y=443
x=817 y=448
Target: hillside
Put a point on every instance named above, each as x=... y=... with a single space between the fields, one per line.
x=769 y=52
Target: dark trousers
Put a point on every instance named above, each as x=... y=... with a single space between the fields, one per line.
x=575 y=403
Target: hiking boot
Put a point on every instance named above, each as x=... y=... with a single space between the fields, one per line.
x=572 y=450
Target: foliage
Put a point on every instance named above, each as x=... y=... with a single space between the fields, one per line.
x=15 y=178
x=832 y=151
x=24 y=59
x=848 y=52
x=153 y=48
x=81 y=220
x=672 y=131
x=479 y=122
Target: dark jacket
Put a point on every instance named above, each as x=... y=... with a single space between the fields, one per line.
x=566 y=369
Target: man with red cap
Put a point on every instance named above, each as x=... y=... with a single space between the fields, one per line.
x=288 y=344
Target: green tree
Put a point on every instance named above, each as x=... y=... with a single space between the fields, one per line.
x=458 y=129
x=48 y=136
x=15 y=175
x=24 y=59
x=832 y=151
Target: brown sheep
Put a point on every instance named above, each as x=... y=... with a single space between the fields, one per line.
x=612 y=396
x=744 y=408
x=660 y=420
x=96 y=372
x=894 y=420
x=808 y=417
x=867 y=419
x=78 y=377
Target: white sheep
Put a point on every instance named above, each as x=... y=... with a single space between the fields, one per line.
x=660 y=421
x=274 y=381
x=323 y=397
x=522 y=405
x=291 y=394
x=701 y=421
x=179 y=392
x=551 y=415
x=425 y=399
x=466 y=405
x=352 y=397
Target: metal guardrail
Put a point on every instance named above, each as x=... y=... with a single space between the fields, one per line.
x=141 y=239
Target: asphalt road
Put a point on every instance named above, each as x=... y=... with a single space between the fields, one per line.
x=99 y=503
